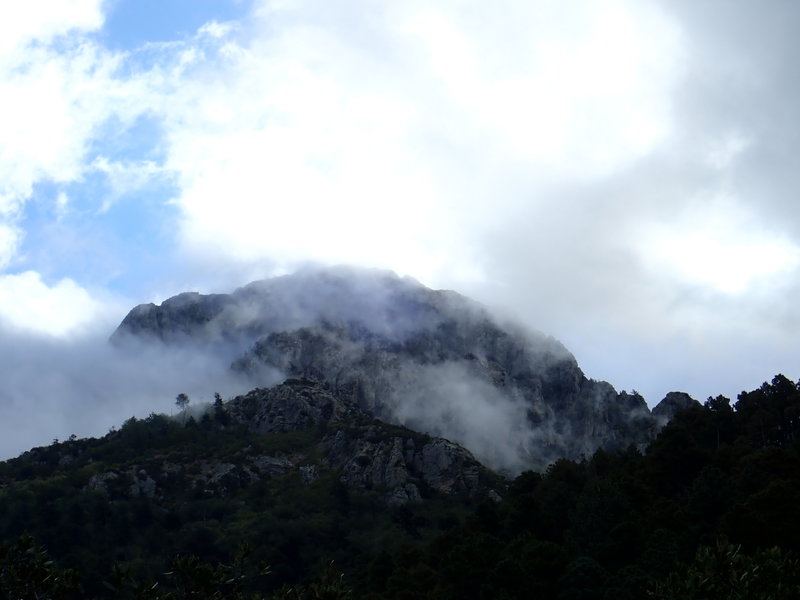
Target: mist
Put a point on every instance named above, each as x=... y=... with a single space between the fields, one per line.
x=433 y=361
x=450 y=401
x=85 y=386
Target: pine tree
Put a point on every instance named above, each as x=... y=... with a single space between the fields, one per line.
x=182 y=401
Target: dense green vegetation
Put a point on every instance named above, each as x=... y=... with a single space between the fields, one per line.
x=75 y=498
x=709 y=510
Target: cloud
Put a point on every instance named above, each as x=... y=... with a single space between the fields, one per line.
x=60 y=90
x=593 y=88
x=29 y=304
x=387 y=135
x=451 y=401
x=126 y=177
x=23 y=23
x=9 y=240
x=54 y=388
x=719 y=247
x=53 y=97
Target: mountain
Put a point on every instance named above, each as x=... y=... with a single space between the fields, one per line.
x=306 y=483
x=314 y=487
x=295 y=472
x=431 y=360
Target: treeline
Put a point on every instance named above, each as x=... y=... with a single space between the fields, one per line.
x=28 y=573
x=709 y=510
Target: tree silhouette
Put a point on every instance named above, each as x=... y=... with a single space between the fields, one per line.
x=220 y=414
x=182 y=401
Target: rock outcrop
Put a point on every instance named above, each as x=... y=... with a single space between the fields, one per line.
x=673 y=403
x=406 y=465
x=370 y=454
x=296 y=404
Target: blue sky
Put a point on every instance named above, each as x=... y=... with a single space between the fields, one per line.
x=130 y=24
x=119 y=239
x=620 y=175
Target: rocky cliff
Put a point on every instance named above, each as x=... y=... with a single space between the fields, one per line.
x=431 y=360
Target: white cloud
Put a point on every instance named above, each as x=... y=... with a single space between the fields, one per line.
x=44 y=20
x=728 y=262
x=51 y=104
x=721 y=247
x=555 y=88
x=27 y=303
x=58 y=89
x=126 y=176
x=62 y=204
x=51 y=97
x=9 y=240
x=383 y=134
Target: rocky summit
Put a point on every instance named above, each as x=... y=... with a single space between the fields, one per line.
x=390 y=348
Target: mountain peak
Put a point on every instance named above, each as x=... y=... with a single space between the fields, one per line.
x=431 y=360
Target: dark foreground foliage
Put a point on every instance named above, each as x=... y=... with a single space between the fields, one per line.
x=708 y=511
x=27 y=573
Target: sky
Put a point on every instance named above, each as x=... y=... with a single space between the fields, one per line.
x=620 y=174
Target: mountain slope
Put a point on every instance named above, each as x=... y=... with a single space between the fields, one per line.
x=296 y=472
x=708 y=511
x=432 y=360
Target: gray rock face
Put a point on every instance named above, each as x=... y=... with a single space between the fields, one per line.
x=372 y=457
x=368 y=453
x=431 y=360
x=297 y=404
x=188 y=316
x=141 y=484
x=101 y=480
x=673 y=403
x=272 y=465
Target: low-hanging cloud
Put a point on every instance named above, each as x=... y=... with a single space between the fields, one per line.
x=450 y=401
x=54 y=388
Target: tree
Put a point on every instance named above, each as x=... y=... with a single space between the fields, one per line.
x=724 y=572
x=27 y=572
x=220 y=414
x=182 y=401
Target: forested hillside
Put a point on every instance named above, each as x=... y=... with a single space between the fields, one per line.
x=709 y=510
